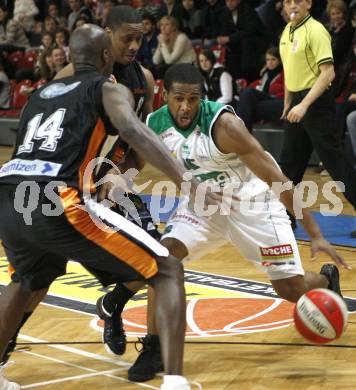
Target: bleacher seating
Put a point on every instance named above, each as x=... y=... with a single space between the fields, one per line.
x=218 y=50
x=220 y=53
x=29 y=59
x=9 y=118
x=15 y=59
x=19 y=99
x=39 y=83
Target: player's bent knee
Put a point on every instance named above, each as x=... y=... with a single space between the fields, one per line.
x=170 y=267
x=175 y=247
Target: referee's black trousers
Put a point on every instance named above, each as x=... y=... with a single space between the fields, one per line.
x=317 y=130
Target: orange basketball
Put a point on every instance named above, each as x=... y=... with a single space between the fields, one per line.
x=320 y=316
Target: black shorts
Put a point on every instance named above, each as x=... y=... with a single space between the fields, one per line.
x=111 y=247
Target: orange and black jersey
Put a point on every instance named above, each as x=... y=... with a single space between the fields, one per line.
x=132 y=76
x=61 y=130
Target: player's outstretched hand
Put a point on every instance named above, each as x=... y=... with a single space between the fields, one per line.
x=321 y=245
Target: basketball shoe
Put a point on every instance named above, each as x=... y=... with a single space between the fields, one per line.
x=114 y=337
x=149 y=361
x=5 y=384
x=332 y=274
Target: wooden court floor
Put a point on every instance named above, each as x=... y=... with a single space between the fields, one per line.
x=258 y=360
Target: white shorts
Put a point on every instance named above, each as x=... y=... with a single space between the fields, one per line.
x=262 y=233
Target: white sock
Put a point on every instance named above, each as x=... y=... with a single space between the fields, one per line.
x=174 y=379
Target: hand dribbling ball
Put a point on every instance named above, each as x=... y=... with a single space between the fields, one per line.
x=320 y=316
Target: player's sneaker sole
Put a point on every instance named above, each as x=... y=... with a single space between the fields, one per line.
x=114 y=337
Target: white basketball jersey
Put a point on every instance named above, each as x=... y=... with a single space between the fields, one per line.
x=196 y=149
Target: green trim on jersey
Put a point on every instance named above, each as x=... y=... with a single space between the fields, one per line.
x=161 y=120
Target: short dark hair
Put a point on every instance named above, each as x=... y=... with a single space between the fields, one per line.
x=209 y=54
x=274 y=52
x=148 y=16
x=122 y=14
x=182 y=73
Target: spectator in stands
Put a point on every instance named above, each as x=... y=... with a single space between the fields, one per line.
x=218 y=83
x=80 y=21
x=43 y=71
x=36 y=33
x=265 y=100
x=171 y=8
x=346 y=91
x=24 y=13
x=53 y=11
x=192 y=21
x=61 y=41
x=210 y=19
x=51 y=62
x=58 y=59
x=4 y=87
x=12 y=35
x=91 y=4
x=340 y=30
x=103 y=10
x=47 y=42
x=149 y=7
x=149 y=43
x=351 y=127
x=245 y=38
x=50 y=25
x=353 y=18
x=174 y=47
x=270 y=13
x=77 y=7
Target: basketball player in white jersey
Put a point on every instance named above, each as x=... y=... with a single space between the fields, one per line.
x=215 y=146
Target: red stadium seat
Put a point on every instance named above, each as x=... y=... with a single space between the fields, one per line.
x=197 y=48
x=10 y=113
x=254 y=84
x=12 y=86
x=39 y=83
x=158 y=97
x=220 y=53
x=18 y=98
x=29 y=59
x=15 y=59
x=241 y=84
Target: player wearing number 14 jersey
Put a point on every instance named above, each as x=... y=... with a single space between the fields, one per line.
x=47 y=215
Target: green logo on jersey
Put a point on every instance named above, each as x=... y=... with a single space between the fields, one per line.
x=188 y=163
x=219 y=177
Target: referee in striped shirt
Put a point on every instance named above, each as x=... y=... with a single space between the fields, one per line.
x=309 y=105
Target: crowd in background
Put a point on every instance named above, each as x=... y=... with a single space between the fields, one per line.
x=188 y=31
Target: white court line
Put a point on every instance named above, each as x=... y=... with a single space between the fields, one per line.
x=274 y=304
x=77 y=351
x=62 y=361
x=71 y=378
x=90 y=355
x=190 y=319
